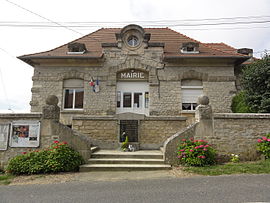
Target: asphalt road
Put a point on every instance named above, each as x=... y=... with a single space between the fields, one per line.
x=237 y=188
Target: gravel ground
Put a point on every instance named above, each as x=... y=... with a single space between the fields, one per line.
x=176 y=172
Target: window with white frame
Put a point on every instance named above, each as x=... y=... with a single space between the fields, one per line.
x=73 y=94
x=191 y=90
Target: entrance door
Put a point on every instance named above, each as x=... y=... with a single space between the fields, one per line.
x=133 y=97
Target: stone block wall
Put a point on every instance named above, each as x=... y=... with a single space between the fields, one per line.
x=238 y=133
x=103 y=131
x=13 y=151
x=154 y=131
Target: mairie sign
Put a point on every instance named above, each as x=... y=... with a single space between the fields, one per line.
x=132 y=74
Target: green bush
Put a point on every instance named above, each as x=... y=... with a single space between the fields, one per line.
x=57 y=158
x=196 y=153
x=263 y=146
x=239 y=104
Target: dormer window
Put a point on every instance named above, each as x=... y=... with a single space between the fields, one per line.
x=190 y=48
x=76 y=48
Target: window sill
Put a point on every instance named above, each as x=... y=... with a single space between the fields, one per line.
x=72 y=111
x=188 y=111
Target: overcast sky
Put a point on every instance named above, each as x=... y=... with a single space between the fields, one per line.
x=25 y=32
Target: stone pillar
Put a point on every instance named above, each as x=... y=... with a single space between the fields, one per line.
x=50 y=116
x=51 y=110
x=204 y=117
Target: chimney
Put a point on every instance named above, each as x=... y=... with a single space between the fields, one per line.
x=245 y=51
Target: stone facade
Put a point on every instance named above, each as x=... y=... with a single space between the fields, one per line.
x=157 y=54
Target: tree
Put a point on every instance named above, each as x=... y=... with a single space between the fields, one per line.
x=256 y=85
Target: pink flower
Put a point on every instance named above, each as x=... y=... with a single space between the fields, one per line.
x=259 y=140
x=197 y=147
x=201 y=146
x=205 y=149
x=203 y=157
x=206 y=145
x=268 y=140
x=181 y=150
x=184 y=140
x=264 y=138
x=191 y=150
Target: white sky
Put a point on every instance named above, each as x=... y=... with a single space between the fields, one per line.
x=15 y=76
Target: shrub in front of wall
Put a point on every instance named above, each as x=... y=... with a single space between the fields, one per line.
x=196 y=153
x=239 y=104
x=58 y=158
x=263 y=145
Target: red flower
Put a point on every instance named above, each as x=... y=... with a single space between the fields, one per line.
x=56 y=142
x=205 y=149
x=259 y=140
x=55 y=147
x=191 y=150
x=264 y=138
x=64 y=142
x=24 y=152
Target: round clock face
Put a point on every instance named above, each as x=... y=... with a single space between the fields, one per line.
x=133 y=41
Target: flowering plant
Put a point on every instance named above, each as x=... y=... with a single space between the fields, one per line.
x=59 y=157
x=196 y=153
x=235 y=158
x=263 y=145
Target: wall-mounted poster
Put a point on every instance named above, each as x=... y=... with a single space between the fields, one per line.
x=24 y=134
x=4 y=132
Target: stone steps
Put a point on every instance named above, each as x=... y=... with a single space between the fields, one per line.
x=125 y=161
x=113 y=160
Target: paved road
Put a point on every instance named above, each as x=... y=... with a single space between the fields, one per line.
x=238 y=188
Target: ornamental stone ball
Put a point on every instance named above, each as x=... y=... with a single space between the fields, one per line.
x=52 y=100
x=203 y=100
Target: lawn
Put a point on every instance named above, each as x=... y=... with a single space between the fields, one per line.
x=5 y=179
x=232 y=168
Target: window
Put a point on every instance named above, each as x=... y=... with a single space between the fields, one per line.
x=76 y=48
x=127 y=100
x=190 y=48
x=133 y=41
x=191 y=90
x=73 y=94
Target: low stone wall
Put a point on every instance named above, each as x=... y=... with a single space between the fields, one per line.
x=5 y=155
x=50 y=130
x=229 y=133
x=104 y=131
x=171 y=144
x=238 y=133
x=154 y=131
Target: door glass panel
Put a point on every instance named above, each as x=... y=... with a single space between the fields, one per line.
x=137 y=100
x=146 y=99
x=127 y=100
x=118 y=99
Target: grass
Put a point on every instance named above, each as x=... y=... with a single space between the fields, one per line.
x=5 y=179
x=232 y=168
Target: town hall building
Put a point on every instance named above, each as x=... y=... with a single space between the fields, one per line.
x=132 y=81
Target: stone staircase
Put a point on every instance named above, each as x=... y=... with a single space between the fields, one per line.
x=115 y=160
